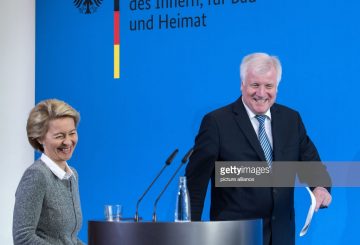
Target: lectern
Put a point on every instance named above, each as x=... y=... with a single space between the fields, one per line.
x=242 y=232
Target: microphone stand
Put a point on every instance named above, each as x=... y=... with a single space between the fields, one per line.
x=167 y=163
x=183 y=161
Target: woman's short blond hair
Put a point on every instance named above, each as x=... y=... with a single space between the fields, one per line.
x=40 y=116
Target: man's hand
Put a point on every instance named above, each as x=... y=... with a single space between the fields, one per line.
x=322 y=196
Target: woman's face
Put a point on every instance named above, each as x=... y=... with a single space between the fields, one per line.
x=60 y=140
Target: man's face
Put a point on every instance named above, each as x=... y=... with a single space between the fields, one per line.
x=259 y=90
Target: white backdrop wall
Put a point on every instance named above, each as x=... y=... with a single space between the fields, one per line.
x=17 y=92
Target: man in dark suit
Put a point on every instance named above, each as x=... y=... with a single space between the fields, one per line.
x=231 y=134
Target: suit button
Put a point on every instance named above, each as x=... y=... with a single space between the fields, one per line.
x=274 y=191
x=273 y=218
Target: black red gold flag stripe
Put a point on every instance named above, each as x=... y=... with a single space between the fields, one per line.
x=116 y=39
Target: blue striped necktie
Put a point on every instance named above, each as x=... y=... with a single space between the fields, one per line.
x=264 y=141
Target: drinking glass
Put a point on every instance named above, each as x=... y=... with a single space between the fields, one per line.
x=113 y=212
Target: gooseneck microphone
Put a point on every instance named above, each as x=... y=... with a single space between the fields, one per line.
x=167 y=163
x=183 y=161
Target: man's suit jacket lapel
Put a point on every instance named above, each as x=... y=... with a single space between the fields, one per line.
x=275 y=129
x=244 y=123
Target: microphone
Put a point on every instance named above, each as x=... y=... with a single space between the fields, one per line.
x=167 y=163
x=183 y=161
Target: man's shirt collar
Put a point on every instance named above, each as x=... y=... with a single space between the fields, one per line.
x=251 y=114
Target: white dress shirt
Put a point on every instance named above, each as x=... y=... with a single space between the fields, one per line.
x=255 y=123
x=59 y=172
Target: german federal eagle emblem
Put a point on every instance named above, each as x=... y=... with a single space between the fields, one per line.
x=87 y=6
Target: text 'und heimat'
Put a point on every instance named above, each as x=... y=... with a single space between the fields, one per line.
x=165 y=21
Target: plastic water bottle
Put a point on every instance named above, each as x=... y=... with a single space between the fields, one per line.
x=182 y=211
